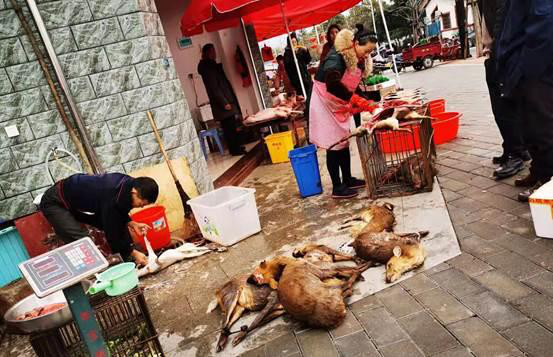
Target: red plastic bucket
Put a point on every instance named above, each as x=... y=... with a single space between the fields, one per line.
x=446 y=126
x=158 y=235
x=436 y=106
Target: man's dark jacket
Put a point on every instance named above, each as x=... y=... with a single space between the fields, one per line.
x=218 y=88
x=525 y=46
x=108 y=197
x=304 y=58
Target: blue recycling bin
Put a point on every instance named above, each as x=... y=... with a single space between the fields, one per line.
x=306 y=168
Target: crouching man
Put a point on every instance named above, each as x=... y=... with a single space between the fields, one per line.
x=103 y=201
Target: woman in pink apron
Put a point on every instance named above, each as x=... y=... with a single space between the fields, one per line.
x=334 y=101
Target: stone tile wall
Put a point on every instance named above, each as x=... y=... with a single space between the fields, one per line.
x=117 y=62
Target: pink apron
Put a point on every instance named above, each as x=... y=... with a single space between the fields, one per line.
x=328 y=121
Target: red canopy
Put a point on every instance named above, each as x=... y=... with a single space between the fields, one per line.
x=218 y=14
x=300 y=14
x=265 y=15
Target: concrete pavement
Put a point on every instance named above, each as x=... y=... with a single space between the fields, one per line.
x=493 y=300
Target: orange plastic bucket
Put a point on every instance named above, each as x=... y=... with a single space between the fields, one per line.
x=158 y=235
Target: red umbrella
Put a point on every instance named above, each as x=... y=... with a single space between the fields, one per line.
x=216 y=15
x=300 y=14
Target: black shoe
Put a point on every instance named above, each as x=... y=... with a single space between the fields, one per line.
x=528 y=181
x=356 y=183
x=498 y=160
x=511 y=167
x=525 y=156
x=525 y=195
x=343 y=192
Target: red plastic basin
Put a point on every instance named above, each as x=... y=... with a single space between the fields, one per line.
x=158 y=235
x=446 y=127
x=436 y=106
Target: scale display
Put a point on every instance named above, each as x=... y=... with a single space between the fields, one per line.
x=63 y=266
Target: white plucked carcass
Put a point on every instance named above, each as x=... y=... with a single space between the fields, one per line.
x=169 y=257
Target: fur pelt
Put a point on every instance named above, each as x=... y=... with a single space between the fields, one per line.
x=344 y=46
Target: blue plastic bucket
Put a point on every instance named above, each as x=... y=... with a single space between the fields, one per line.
x=306 y=168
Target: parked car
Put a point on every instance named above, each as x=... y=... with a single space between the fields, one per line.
x=381 y=64
x=423 y=55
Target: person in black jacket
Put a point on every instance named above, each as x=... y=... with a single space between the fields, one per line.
x=103 y=201
x=525 y=72
x=223 y=101
x=504 y=109
x=304 y=58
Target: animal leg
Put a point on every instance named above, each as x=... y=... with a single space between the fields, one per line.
x=232 y=317
x=347 y=288
x=238 y=311
x=261 y=318
x=324 y=274
x=336 y=255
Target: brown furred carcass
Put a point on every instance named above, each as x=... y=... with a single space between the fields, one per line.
x=375 y=219
x=400 y=252
x=236 y=297
x=311 y=294
x=406 y=257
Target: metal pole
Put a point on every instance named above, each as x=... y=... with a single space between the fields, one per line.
x=253 y=65
x=57 y=100
x=95 y=163
x=293 y=51
x=374 y=25
x=317 y=34
x=389 y=42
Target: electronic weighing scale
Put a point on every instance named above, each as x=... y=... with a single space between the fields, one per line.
x=63 y=269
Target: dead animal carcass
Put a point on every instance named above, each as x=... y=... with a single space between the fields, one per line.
x=235 y=298
x=400 y=252
x=308 y=289
x=375 y=219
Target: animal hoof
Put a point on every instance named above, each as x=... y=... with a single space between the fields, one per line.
x=239 y=338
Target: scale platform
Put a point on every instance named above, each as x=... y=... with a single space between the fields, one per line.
x=63 y=267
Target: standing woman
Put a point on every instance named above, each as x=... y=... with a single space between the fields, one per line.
x=333 y=101
x=223 y=101
x=331 y=33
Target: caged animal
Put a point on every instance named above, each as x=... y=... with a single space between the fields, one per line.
x=375 y=219
x=311 y=289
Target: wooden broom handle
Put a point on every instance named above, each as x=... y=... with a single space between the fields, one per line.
x=158 y=138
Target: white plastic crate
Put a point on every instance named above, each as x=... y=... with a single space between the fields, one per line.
x=541 y=206
x=227 y=215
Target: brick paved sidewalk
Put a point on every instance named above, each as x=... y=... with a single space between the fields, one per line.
x=493 y=300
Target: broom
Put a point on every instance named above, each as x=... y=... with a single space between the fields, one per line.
x=190 y=227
